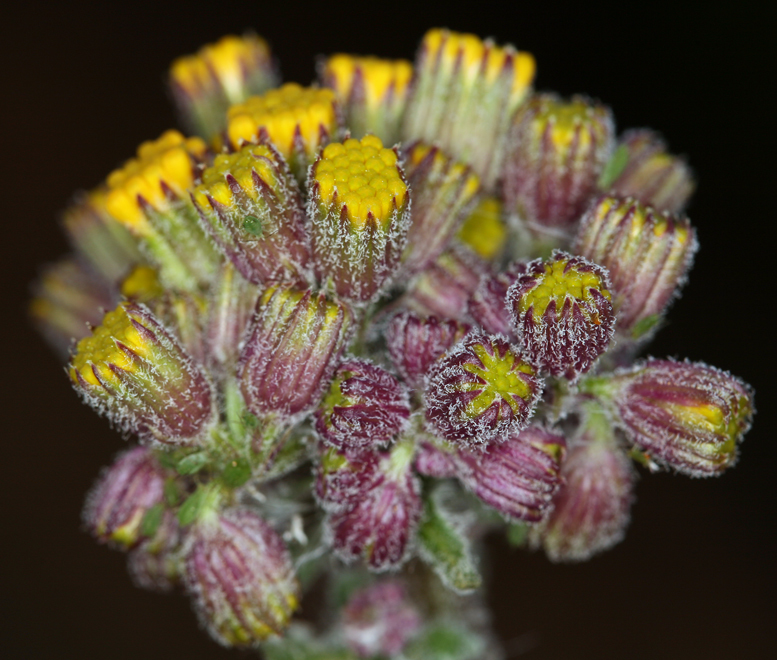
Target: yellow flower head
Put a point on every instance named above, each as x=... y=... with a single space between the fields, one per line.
x=379 y=77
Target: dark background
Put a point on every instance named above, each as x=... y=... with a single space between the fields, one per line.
x=82 y=86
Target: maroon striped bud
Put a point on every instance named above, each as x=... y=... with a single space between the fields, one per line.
x=646 y=253
x=481 y=390
x=154 y=564
x=687 y=415
x=432 y=461
x=416 y=343
x=365 y=406
x=488 y=304
x=562 y=314
x=240 y=575
x=380 y=620
x=557 y=150
x=292 y=350
x=641 y=168
x=124 y=494
x=517 y=476
x=343 y=477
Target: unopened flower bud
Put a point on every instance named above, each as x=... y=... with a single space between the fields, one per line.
x=484 y=231
x=444 y=191
x=69 y=299
x=481 y=390
x=519 y=475
x=219 y=75
x=292 y=350
x=380 y=620
x=365 y=406
x=150 y=196
x=647 y=254
x=562 y=314
x=359 y=208
x=106 y=244
x=371 y=91
x=464 y=96
x=446 y=285
x=642 y=168
x=137 y=373
x=591 y=510
x=123 y=496
x=154 y=564
x=557 y=151
x=344 y=476
x=240 y=575
x=297 y=120
x=488 y=304
x=379 y=524
x=416 y=343
x=251 y=205
x=688 y=415
x=434 y=461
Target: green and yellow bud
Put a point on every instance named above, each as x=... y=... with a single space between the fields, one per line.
x=466 y=92
x=221 y=74
x=297 y=120
x=251 y=205
x=372 y=92
x=359 y=206
x=134 y=371
x=149 y=195
x=484 y=230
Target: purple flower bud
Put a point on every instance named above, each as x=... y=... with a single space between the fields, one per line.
x=642 y=168
x=556 y=152
x=488 y=304
x=562 y=314
x=591 y=510
x=517 y=476
x=359 y=211
x=688 y=415
x=343 y=477
x=646 y=253
x=365 y=406
x=292 y=350
x=415 y=344
x=480 y=390
x=123 y=495
x=154 y=564
x=240 y=575
x=444 y=192
x=432 y=461
x=69 y=299
x=380 y=620
x=379 y=523
x=250 y=204
x=137 y=373
x=444 y=288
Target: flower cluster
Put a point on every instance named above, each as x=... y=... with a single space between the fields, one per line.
x=378 y=316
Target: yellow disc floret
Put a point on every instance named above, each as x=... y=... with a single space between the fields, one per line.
x=142 y=284
x=241 y=165
x=281 y=113
x=169 y=160
x=502 y=379
x=478 y=58
x=565 y=118
x=484 y=230
x=378 y=75
x=558 y=282
x=363 y=176
x=100 y=349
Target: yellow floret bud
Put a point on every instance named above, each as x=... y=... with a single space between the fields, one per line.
x=142 y=284
x=286 y=113
x=168 y=161
x=362 y=176
x=484 y=230
x=380 y=77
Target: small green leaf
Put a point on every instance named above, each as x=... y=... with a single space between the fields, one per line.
x=446 y=550
x=152 y=519
x=445 y=641
x=517 y=534
x=645 y=326
x=191 y=508
x=614 y=167
x=166 y=459
x=192 y=463
x=172 y=493
x=253 y=225
x=236 y=473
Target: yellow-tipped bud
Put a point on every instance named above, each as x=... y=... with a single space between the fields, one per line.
x=362 y=177
x=484 y=230
x=164 y=163
x=292 y=118
x=142 y=284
